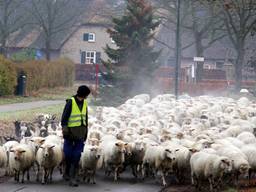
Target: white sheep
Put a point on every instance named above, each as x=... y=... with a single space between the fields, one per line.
x=3 y=157
x=113 y=152
x=21 y=159
x=158 y=158
x=208 y=166
x=90 y=162
x=49 y=156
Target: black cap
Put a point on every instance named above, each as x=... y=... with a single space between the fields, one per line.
x=83 y=91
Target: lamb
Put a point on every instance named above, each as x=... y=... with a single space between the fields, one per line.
x=90 y=162
x=208 y=166
x=49 y=156
x=21 y=159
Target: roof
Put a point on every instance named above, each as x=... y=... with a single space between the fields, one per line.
x=34 y=38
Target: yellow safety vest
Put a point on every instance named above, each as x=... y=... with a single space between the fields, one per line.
x=77 y=117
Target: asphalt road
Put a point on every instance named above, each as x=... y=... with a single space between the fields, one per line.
x=104 y=184
x=28 y=105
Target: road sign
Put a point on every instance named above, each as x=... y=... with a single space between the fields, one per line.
x=199 y=59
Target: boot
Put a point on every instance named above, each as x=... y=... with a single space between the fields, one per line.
x=73 y=176
x=66 y=175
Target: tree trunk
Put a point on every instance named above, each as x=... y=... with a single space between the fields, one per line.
x=238 y=68
x=3 y=48
x=200 y=65
x=48 y=49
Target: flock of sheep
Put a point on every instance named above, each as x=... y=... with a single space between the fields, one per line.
x=206 y=138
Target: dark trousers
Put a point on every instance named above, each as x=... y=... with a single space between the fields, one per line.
x=72 y=151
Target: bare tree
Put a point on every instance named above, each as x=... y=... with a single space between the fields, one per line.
x=199 y=18
x=55 y=16
x=12 y=18
x=239 y=17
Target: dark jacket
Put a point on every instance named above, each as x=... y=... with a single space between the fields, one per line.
x=74 y=133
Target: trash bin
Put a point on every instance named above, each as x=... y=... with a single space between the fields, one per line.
x=21 y=87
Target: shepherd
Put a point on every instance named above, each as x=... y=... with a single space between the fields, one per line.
x=74 y=124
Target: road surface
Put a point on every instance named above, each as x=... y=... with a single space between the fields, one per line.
x=104 y=184
x=28 y=105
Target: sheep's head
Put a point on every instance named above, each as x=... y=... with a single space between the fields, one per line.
x=120 y=147
x=18 y=152
x=140 y=146
x=170 y=154
x=95 y=152
x=47 y=150
x=226 y=165
x=244 y=168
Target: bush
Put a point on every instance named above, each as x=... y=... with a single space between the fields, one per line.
x=43 y=74
x=7 y=77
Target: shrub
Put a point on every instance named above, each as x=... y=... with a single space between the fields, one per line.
x=43 y=74
x=7 y=77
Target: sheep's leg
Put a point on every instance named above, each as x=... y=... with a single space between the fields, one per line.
x=163 y=178
x=249 y=176
x=28 y=176
x=15 y=176
x=93 y=177
x=43 y=175
x=18 y=176
x=37 y=174
x=143 y=171
x=211 y=183
x=23 y=175
x=116 y=171
x=51 y=172
x=134 y=172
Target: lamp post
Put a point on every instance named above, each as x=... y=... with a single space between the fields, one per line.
x=177 y=52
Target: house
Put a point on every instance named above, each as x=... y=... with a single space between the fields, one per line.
x=86 y=44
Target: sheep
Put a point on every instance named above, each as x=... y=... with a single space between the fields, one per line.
x=247 y=138
x=113 y=152
x=240 y=163
x=21 y=159
x=158 y=158
x=250 y=152
x=208 y=166
x=90 y=162
x=3 y=157
x=49 y=156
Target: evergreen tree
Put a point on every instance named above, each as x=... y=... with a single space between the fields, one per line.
x=133 y=62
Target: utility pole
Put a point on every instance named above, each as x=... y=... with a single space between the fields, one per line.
x=178 y=51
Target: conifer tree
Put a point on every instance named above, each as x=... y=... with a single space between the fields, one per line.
x=133 y=61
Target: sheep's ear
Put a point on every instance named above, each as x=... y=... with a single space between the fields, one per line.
x=193 y=150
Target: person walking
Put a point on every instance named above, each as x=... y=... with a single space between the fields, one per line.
x=74 y=124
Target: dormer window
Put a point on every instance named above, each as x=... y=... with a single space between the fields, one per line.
x=90 y=37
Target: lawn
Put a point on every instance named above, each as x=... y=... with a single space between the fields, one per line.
x=59 y=93
x=31 y=113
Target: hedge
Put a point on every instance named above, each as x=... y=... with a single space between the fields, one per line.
x=43 y=74
x=8 y=77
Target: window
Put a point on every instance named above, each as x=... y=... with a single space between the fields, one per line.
x=90 y=37
x=90 y=57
